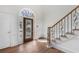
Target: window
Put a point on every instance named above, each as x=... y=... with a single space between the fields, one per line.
x=26 y=12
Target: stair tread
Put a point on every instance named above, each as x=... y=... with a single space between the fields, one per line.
x=75 y=29
x=57 y=38
x=63 y=36
x=70 y=33
x=58 y=41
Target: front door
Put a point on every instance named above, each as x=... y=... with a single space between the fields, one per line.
x=28 y=29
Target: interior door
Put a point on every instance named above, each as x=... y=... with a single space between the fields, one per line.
x=28 y=29
x=4 y=30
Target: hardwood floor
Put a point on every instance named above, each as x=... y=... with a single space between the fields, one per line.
x=31 y=47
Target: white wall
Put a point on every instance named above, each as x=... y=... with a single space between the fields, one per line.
x=4 y=29
x=7 y=30
x=11 y=13
x=44 y=16
x=54 y=13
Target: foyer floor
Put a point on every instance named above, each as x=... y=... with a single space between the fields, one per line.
x=31 y=47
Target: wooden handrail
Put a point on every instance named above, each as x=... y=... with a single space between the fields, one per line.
x=65 y=16
x=66 y=29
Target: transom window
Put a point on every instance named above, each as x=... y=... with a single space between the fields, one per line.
x=26 y=12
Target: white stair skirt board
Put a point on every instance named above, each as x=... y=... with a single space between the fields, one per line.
x=70 y=46
x=61 y=48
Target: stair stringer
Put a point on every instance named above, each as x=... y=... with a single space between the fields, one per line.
x=70 y=46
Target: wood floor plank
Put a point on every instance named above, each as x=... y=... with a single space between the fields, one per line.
x=31 y=47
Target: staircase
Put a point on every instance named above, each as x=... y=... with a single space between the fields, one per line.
x=64 y=35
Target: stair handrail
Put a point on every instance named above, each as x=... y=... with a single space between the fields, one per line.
x=66 y=15
x=70 y=13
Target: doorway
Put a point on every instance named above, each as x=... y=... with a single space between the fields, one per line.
x=27 y=29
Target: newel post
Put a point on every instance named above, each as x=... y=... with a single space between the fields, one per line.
x=48 y=36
